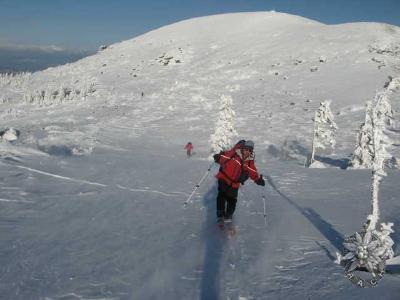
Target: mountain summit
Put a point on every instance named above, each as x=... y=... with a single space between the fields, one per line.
x=93 y=186
x=267 y=61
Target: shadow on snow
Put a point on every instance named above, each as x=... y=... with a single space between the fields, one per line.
x=214 y=249
x=294 y=150
x=326 y=229
x=342 y=163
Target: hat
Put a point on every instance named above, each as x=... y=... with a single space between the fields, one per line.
x=249 y=145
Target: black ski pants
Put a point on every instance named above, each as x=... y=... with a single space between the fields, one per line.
x=227 y=197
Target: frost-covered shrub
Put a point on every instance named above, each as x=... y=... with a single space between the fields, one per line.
x=11 y=112
x=224 y=131
x=55 y=95
x=15 y=80
x=9 y=134
x=4 y=99
x=384 y=235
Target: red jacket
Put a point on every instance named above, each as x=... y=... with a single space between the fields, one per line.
x=232 y=165
x=189 y=146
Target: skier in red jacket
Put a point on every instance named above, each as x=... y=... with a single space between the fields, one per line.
x=189 y=148
x=236 y=166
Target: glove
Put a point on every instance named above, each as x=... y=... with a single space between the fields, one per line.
x=260 y=181
x=216 y=157
x=243 y=177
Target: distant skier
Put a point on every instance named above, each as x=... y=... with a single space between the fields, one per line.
x=189 y=148
x=236 y=166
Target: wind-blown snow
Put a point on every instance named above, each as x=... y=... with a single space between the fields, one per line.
x=92 y=191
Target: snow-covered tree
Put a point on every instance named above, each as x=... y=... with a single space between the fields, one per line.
x=50 y=94
x=378 y=115
x=363 y=154
x=15 y=80
x=371 y=248
x=324 y=129
x=224 y=131
x=381 y=117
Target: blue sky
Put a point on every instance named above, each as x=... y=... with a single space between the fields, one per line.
x=87 y=24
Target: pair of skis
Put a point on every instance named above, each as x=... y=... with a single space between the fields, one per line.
x=227 y=226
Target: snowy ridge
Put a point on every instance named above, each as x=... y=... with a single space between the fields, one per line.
x=92 y=191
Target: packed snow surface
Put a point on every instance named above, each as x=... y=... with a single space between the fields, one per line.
x=92 y=188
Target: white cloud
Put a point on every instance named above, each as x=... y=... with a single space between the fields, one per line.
x=27 y=47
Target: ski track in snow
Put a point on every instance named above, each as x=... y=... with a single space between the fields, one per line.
x=15 y=201
x=100 y=184
x=61 y=177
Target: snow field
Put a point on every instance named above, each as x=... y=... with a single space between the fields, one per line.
x=92 y=192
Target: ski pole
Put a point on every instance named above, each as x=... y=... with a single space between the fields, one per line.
x=198 y=185
x=265 y=209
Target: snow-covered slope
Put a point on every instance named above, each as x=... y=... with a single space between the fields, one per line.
x=92 y=191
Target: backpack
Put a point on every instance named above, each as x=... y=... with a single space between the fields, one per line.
x=243 y=175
